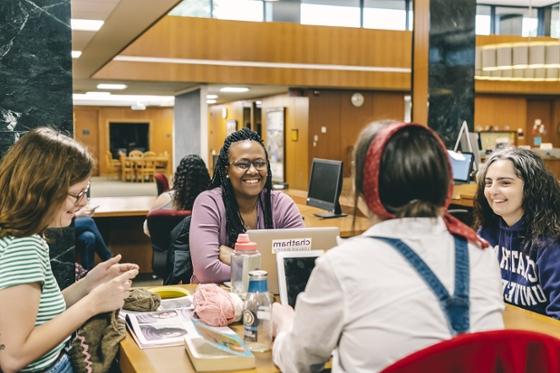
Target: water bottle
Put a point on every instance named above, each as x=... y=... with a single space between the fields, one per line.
x=245 y=258
x=257 y=323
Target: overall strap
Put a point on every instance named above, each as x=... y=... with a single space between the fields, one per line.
x=456 y=307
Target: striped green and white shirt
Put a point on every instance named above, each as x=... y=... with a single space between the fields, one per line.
x=25 y=260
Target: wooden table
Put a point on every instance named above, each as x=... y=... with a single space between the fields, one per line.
x=463 y=194
x=175 y=359
x=120 y=221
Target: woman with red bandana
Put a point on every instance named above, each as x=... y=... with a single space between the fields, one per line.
x=416 y=277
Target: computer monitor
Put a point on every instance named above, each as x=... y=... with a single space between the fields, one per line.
x=461 y=166
x=325 y=185
x=273 y=241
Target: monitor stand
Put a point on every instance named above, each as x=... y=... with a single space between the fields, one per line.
x=329 y=215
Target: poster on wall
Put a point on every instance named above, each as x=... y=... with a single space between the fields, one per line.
x=275 y=143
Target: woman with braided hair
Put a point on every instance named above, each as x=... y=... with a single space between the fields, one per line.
x=240 y=197
x=190 y=179
x=416 y=277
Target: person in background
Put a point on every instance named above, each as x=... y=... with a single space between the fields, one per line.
x=44 y=178
x=190 y=179
x=517 y=210
x=89 y=240
x=240 y=197
x=364 y=299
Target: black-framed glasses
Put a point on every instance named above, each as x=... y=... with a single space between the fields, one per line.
x=245 y=164
x=78 y=197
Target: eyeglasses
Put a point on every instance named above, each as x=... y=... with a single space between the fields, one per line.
x=80 y=195
x=245 y=164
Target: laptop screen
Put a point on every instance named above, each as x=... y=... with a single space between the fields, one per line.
x=294 y=269
x=461 y=165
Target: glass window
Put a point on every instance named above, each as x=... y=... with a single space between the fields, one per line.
x=331 y=12
x=555 y=21
x=192 y=8
x=240 y=10
x=516 y=21
x=385 y=14
x=483 y=20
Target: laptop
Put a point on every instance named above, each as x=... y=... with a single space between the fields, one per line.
x=294 y=270
x=461 y=166
x=271 y=241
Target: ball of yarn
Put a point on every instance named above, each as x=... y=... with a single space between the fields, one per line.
x=215 y=306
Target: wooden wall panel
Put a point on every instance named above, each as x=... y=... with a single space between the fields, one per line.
x=420 y=60
x=296 y=151
x=86 y=132
x=160 y=132
x=217 y=126
x=543 y=110
x=501 y=113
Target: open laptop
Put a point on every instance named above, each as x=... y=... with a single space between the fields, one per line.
x=271 y=241
x=461 y=166
x=294 y=270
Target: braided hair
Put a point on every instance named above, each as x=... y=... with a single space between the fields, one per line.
x=234 y=221
x=191 y=178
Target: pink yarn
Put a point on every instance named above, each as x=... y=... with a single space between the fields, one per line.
x=213 y=305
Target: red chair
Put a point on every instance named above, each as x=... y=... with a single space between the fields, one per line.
x=503 y=351
x=160 y=224
x=162 y=183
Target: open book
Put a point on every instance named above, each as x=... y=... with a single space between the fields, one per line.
x=165 y=327
x=217 y=349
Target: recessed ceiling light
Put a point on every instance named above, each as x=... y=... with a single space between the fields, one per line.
x=76 y=54
x=85 y=24
x=211 y=101
x=98 y=93
x=258 y=102
x=111 y=86
x=234 y=89
x=211 y=97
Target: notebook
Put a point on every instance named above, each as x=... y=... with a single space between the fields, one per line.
x=271 y=241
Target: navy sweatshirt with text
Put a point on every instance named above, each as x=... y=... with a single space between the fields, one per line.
x=530 y=278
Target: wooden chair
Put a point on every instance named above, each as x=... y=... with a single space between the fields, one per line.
x=149 y=154
x=128 y=170
x=135 y=154
x=161 y=163
x=145 y=169
x=113 y=165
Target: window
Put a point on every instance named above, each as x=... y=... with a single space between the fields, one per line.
x=240 y=10
x=331 y=12
x=192 y=8
x=516 y=21
x=483 y=20
x=385 y=14
x=555 y=21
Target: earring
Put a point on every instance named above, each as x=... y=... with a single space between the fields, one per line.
x=227 y=176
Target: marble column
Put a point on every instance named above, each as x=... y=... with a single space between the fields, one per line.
x=451 y=67
x=36 y=88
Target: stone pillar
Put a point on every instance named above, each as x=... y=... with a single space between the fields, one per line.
x=450 y=67
x=190 y=125
x=36 y=88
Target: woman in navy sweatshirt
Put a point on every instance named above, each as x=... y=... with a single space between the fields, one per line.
x=517 y=209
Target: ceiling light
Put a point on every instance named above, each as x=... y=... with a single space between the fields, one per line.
x=234 y=89
x=138 y=106
x=111 y=86
x=211 y=101
x=258 y=102
x=107 y=99
x=98 y=93
x=76 y=54
x=211 y=97
x=85 y=24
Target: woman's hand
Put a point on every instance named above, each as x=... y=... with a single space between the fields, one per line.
x=108 y=270
x=110 y=295
x=225 y=254
x=282 y=318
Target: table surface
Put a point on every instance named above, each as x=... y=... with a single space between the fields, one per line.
x=175 y=359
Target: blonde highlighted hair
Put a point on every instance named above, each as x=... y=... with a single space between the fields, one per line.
x=35 y=175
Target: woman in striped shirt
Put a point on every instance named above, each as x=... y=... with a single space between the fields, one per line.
x=44 y=179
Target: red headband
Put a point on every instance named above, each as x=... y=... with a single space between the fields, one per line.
x=370 y=181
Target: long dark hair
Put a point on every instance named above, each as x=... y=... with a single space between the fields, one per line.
x=541 y=197
x=234 y=221
x=413 y=176
x=190 y=179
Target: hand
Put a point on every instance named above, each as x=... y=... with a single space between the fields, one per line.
x=282 y=318
x=106 y=271
x=85 y=211
x=225 y=254
x=110 y=295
